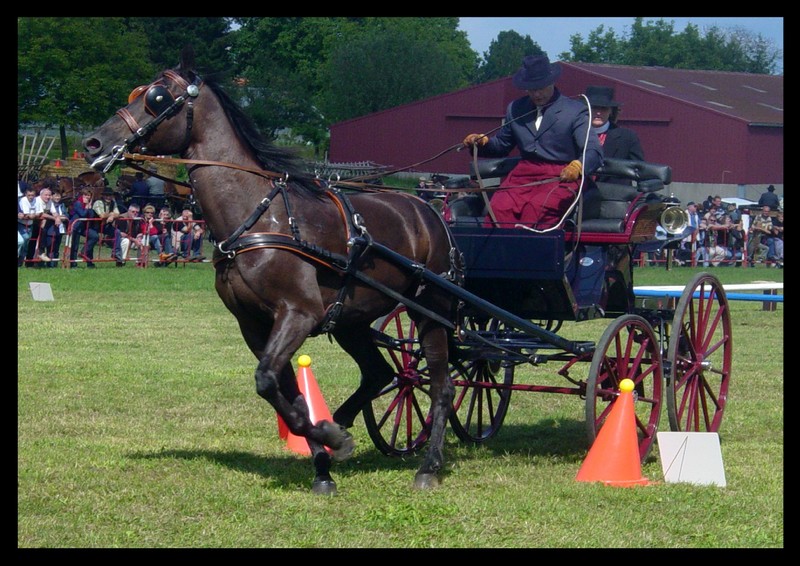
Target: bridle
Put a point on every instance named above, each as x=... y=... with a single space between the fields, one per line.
x=160 y=103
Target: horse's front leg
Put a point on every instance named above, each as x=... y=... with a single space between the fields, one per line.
x=434 y=343
x=282 y=392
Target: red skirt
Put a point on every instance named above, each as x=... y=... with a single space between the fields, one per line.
x=538 y=206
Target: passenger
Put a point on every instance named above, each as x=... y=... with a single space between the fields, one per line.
x=617 y=142
x=551 y=131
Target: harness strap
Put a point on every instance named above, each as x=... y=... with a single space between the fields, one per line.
x=250 y=222
x=277 y=240
x=329 y=259
x=128 y=118
x=357 y=245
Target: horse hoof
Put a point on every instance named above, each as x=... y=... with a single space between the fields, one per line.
x=345 y=446
x=346 y=449
x=426 y=481
x=323 y=487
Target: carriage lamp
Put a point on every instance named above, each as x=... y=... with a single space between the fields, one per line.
x=674 y=220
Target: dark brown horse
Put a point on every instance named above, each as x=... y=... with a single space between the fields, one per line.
x=292 y=258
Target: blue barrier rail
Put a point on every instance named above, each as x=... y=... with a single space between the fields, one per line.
x=731 y=296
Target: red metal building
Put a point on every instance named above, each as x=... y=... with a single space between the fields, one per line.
x=710 y=127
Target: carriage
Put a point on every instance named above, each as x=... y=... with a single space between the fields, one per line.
x=437 y=314
x=521 y=286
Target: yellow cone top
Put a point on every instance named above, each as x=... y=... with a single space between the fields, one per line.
x=305 y=361
x=626 y=385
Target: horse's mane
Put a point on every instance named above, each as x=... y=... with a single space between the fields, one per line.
x=271 y=157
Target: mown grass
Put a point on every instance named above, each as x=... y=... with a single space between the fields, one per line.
x=139 y=426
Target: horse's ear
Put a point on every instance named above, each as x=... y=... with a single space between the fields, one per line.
x=187 y=59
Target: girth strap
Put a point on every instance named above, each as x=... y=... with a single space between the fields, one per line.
x=272 y=240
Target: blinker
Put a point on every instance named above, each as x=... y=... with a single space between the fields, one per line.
x=157 y=99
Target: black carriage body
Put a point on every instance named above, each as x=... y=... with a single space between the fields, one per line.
x=530 y=275
x=516 y=270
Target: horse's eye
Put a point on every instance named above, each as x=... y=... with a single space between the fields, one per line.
x=136 y=93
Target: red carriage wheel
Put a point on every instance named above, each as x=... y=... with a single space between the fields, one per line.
x=398 y=419
x=699 y=356
x=479 y=406
x=627 y=349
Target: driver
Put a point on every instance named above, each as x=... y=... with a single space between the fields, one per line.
x=551 y=132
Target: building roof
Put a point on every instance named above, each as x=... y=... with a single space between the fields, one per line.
x=752 y=98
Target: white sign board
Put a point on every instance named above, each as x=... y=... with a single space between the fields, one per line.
x=41 y=292
x=691 y=457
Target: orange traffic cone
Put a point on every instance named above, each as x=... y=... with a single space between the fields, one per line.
x=75 y=154
x=614 y=457
x=58 y=163
x=317 y=409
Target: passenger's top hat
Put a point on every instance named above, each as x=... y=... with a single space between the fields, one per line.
x=602 y=96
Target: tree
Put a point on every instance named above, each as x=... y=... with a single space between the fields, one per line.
x=76 y=72
x=505 y=55
x=601 y=47
x=655 y=43
x=381 y=69
x=293 y=81
x=168 y=35
x=279 y=62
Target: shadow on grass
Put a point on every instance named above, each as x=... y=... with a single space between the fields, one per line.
x=549 y=438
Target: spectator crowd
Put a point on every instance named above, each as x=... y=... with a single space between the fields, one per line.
x=45 y=223
x=725 y=236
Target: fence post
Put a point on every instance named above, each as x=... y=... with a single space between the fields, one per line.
x=769 y=305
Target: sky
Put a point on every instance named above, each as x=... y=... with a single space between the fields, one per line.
x=552 y=34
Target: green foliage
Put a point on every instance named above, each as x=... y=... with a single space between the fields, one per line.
x=318 y=70
x=381 y=69
x=167 y=36
x=77 y=71
x=655 y=43
x=505 y=54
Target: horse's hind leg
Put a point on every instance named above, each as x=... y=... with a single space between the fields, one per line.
x=375 y=371
x=434 y=341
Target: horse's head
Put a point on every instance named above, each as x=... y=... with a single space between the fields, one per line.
x=157 y=120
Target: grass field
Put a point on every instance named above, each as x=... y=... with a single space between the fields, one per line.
x=139 y=426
